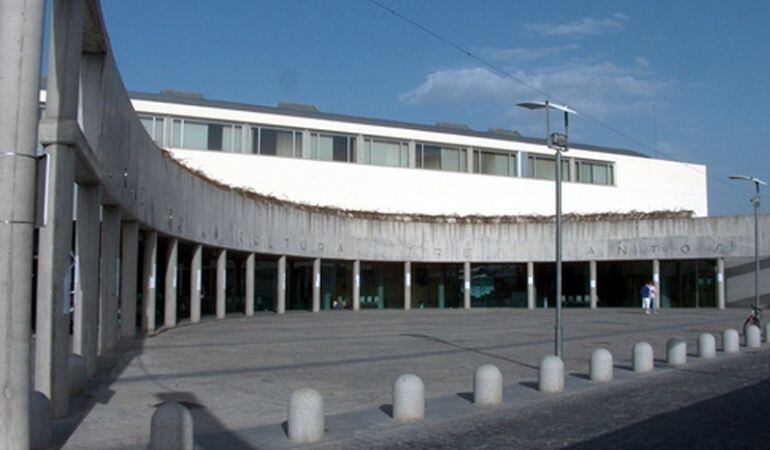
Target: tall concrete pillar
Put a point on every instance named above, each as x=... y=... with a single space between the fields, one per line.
x=55 y=237
x=195 y=284
x=21 y=35
x=149 y=271
x=169 y=295
x=407 y=285
x=592 y=275
x=721 y=283
x=656 y=281
x=316 y=284
x=467 y=285
x=281 y=294
x=109 y=279
x=356 y=285
x=85 y=326
x=129 y=258
x=470 y=160
x=249 y=285
x=221 y=283
x=530 y=285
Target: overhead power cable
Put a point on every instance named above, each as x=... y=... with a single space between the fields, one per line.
x=506 y=74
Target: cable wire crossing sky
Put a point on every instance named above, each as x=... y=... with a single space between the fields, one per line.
x=659 y=77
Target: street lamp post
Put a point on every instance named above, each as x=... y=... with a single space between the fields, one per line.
x=559 y=143
x=756 y=202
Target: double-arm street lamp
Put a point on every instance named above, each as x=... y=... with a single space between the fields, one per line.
x=756 y=202
x=559 y=143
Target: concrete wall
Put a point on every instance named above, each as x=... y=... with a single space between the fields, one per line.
x=642 y=185
x=739 y=281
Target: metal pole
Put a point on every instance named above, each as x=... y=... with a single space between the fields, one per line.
x=756 y=246
x=557 y=326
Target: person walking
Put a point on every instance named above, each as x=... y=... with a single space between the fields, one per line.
x=654 y=307
x=646 y=298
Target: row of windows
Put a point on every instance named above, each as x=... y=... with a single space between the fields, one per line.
x=198 y=135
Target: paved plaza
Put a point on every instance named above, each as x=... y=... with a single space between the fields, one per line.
x=236 y=375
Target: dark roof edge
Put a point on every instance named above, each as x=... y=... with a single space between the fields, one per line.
x=366 y=121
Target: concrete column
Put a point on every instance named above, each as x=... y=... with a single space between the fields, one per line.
x=129 y=264
x=316 y=284
x=721 y=283
x=149 y=271
x=195 y=284
x=85 y=327
x=408 y=285
x=412 y=154
x=249 y=285
x=21 y=34
x=356 y=285
x=592 y=271
x=656 y=281
x=55 y=236
x=281 y=295
x=360 y=148
x=169 y=295
x=306 y=153
x=467 y=285
x=109 y=282
x=469 y=161
x=530 y=285
x=221 y=283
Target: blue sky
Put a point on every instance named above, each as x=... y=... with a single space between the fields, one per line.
x=702 y=67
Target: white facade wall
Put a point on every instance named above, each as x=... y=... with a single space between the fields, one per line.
x=641 y=184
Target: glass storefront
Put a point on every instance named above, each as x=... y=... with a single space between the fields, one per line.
x=688 y=283
x=265 y=283
x=576 y=291
x=382 y=285
x=336 y=284
x=299 y=284
x=437 y=285
x=619 y=283
x=498 y=285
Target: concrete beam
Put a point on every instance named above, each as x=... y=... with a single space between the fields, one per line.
x=221 y=283
x=356 y=285
x=316 y=284
x=21 y=35
x=195 y=284
x=109 y=286
x=85 y=327
x=249 y=285
x=149 y=273
x=281 y=286
x=593 y=285
x=169 y=296
x=128 y=273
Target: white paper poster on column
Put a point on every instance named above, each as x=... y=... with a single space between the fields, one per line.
x=198 y=281
x=409 y=279
x=173 y=280
x=152 y=277
x=593 y=284
x=358 y=281
x=467 y=285
x=318 y=280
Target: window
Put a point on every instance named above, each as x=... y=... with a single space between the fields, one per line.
x=595 y=172
x=197 y=135
x=495 y=163
x=452 y=159
x=544 y=168
x=329 y=147
x=154 y=127
x=278 y=142
x=386 y=153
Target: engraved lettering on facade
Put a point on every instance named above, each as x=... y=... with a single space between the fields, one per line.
x=654 y=249
x=320 y=246
x=591 y=251
x=622 y=250
x=339 y=249
x=685 y=248
x=437 y=252
x=287 y=243
x=303 y=245
x=467 y=252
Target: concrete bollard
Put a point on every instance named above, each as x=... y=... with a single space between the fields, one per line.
x=306 y=416
x=408 y=398
x=488 y=386
x=676 y=352
x=78 y=378
x=40 y=421
x=550 y=377
x=643 y=358
x=600 y=367
x=171 y=428
x=753 y=337
x=730 y=341
x=707 y=346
